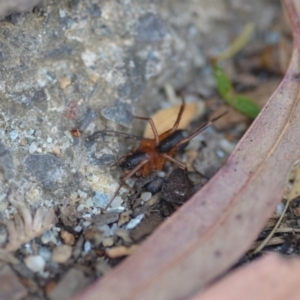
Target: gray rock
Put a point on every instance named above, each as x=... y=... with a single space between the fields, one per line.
x=6 y=163
x=46 y=168
x=120 y=113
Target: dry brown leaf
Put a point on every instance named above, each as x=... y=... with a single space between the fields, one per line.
x=164 y=119
x=217 y=225
x=22 y=230
x=269 y=278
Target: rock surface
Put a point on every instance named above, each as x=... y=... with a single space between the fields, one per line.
x=85 y=64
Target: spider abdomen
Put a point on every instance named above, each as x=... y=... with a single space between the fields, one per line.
x=166 y=144
x=131 y=161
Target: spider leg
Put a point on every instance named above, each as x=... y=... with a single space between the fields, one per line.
x=176 y=124
x=154 y=130
x=187 y=139
x=101 y=133
x=127 y=176
x=175 y=161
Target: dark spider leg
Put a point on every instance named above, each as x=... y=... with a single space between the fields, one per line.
x=176 y=124
x=175 y=161
x=101 y=133
x=154 y=130
x=198 y=131
x=127 y=176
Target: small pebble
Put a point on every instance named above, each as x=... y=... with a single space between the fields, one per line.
x=62 y=253
x=45 y=253
x=124 y=235
x=67 y=237
x=68 y=134
x=279 y=209
x=135 y=221
x=226 y=146
x=107 y=241
x=80 y=207
x=35 y=263
x=32 y=147
x=117 y=210
x=13 y=134
x=56 y=151
x=82 y=194
x=113 y=229
x=28 y=248
x=220 y=153
x=64 y=82
x=62 y=13
x=146 y=196
x=87 y=216
x=86 y=223
x=48 y=237
x=87 y=246
x=124 y=218
x=101 y=200
x=116 y=202
x=49 y=140
x=78 y=228
x=105 y=229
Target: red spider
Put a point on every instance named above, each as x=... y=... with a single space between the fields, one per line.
x=152 y=154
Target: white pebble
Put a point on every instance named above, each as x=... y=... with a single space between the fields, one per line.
x=13 y=134
x=220 y=153
x=87 y=247
x=280 y=209
x=35 y=263
x=68 y=134
x=48 y=237
x=101 y=200
x=116 y=202
x=105 y=229
x=86 y=216
x=86 y=223
x=32 y=147
x=62 y=13
x=135 y=221
x=49 y=140
x=117 y=210
x=78 y=228
x=82 y=194
x=80 y=207
x=146 y=196
x=226 y=146
x=45 y=253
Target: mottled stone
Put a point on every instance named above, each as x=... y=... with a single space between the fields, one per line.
x=104 y=219
x=120 y=113
x=47 y=169
x=177 y=188
x=6 y=163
